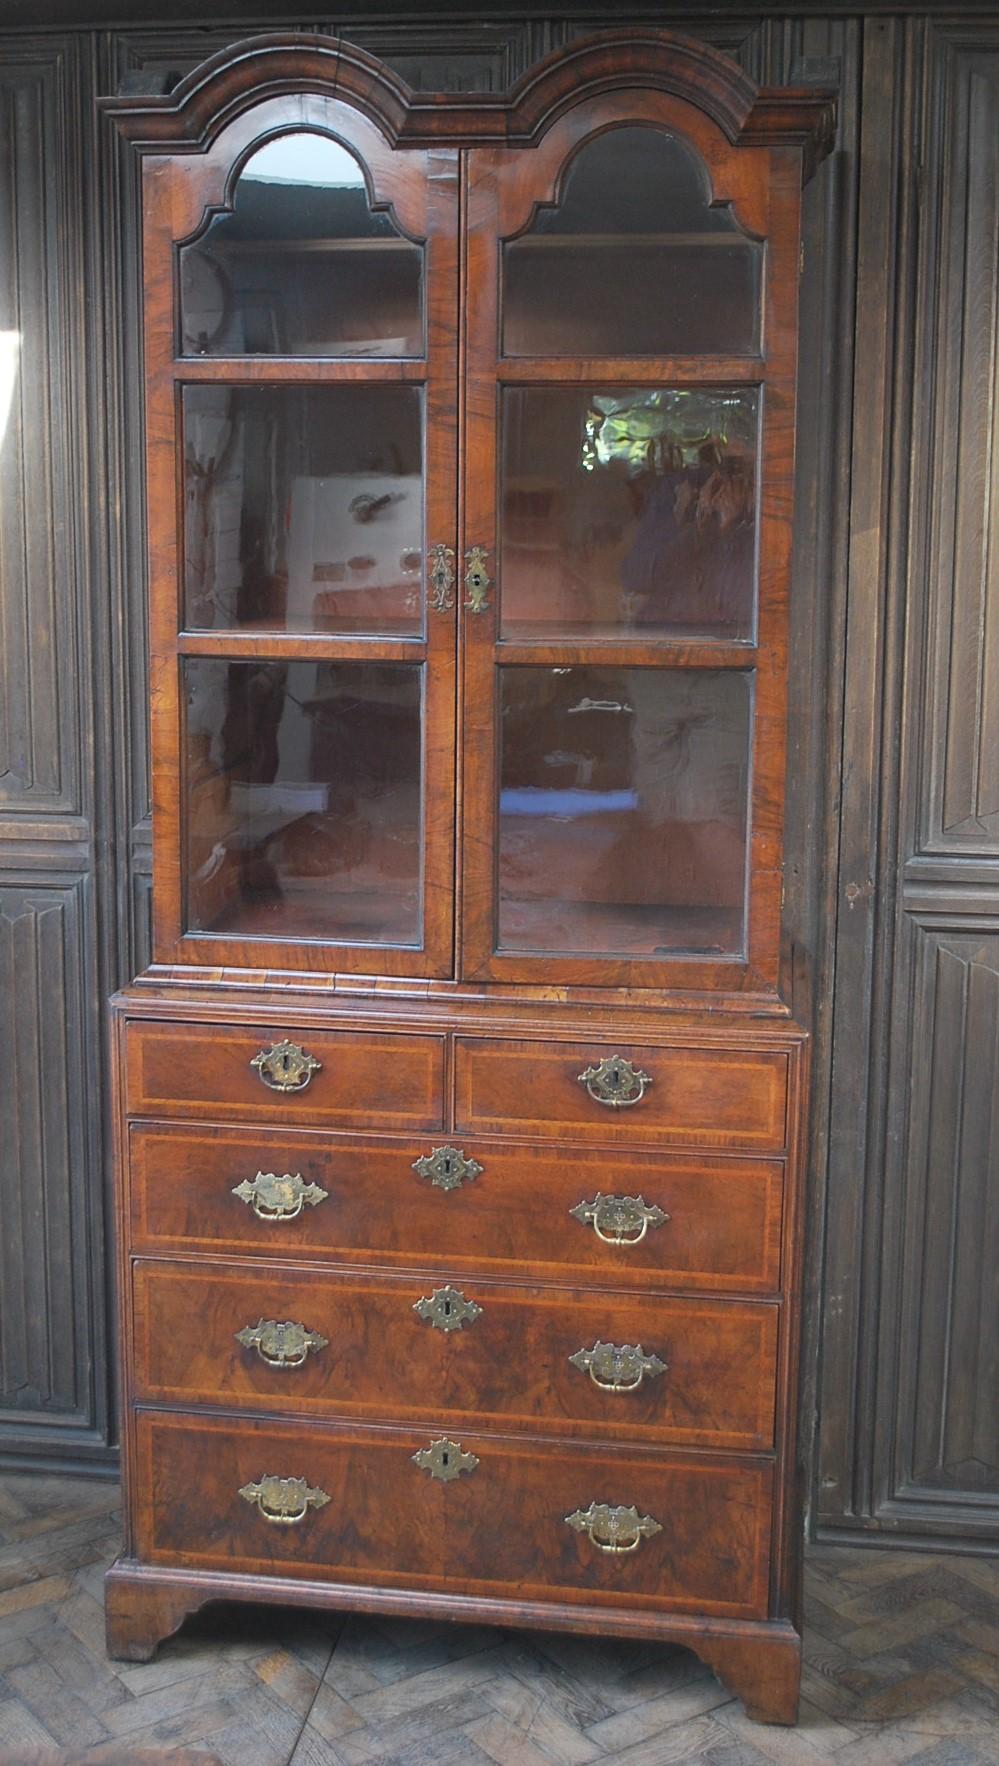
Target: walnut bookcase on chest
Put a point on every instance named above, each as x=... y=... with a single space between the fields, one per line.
x=460 y=1112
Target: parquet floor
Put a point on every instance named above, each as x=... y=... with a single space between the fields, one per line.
x=903 y=1666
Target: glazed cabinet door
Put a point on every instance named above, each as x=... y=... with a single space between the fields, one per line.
x=630 y=318
x=301 y=293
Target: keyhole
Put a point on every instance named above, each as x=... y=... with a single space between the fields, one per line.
x=447 y=1309
x=445 y=1458
x=448 y=1167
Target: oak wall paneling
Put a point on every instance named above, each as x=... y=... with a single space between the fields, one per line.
x=54 y=1365
x=892 y=880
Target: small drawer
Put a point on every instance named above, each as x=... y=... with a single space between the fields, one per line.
x=326 y=1077
x=528 y=1519
x=706 y=1097
x=692 y=1373
x=480 y=1205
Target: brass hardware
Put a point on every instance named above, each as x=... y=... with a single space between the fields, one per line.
x=285 y=1501
x=619 y=1220
x=447 y=1309
x=477 y=579
x=614 y=1081
x=285 y=1066
x=445 y=1460
x=279 y=1198
x=616 y=1369
x=280 y=1345
x=446 y=1168
x=441 y=562
x=613 y=1529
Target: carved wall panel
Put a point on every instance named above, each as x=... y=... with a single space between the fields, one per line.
x=948 y=1420
x=39 y=736
x=960 y=810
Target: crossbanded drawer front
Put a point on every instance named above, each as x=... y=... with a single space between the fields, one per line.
x=695 y=1373
x=491 y=1515
x=618 y=1093
x=335 y=1078
x=479 y=1204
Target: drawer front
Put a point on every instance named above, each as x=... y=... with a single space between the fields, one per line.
x=526 y=1207
x=369 y=1514
x=200 y=1070
x=687 y=1097
x=410 y=1347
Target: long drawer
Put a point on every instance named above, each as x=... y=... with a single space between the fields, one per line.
x=710 y=1097
x=355 y=1507
x=484 y=1205
x=211 y=1070
x=686 y=1372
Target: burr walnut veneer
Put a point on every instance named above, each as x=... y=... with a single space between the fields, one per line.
x=460 y=1112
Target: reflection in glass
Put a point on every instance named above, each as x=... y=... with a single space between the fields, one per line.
x=628 y=513
x=632 y=261
x=623 y=810
x=301 y=265
x=303 y=508
x=303 y=786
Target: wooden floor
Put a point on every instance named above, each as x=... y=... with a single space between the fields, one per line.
x=903 y=1665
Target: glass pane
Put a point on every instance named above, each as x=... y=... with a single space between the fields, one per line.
x=623 y=810
x=303 y=790
x=628 y=514
x=303 y=508
x=632 y=261
x=300 y=265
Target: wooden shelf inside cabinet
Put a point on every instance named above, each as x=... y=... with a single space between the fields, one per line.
x=625 y=241
x=465 y=1028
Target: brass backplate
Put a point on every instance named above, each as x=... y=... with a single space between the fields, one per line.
x=279 y=1198
x=445 y=1460
x=280 y=1345
x=285 y=1066
x=613 y=1528
x=447 y=1309
x=447 y=1168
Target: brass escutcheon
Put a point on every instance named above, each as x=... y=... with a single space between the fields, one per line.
x=619 y=1220
x=285 y=1066
x=285 y=1501
x=447 y=1168
x=441 y=562
x=279 y=1198
x=615 y=1082
x=447 y=1309
x=445 y=1460
x=477 y=579
x=617 y=1369
x=280 y=1345
x=613 y=1529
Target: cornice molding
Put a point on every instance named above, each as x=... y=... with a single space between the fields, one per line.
x=276 y=64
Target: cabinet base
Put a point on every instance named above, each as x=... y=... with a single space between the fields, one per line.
x=760 y=1662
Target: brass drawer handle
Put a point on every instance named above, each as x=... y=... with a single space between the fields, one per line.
x=445 y=1460
x=447 y=1309
x=613 y=1529
x=619 y=1220
x=280 y=1345
x=441 y=562
x=285 y=1066
x=279 y=1198
x=615 y=1082
x=616 y=1369
x=285 y=1501
x=447 y=1168
x=477 y=579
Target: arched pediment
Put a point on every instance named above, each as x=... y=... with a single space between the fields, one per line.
x=269 y=66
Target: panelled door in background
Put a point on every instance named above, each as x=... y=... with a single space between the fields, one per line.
x=892 y=881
